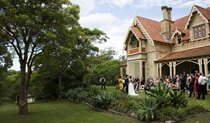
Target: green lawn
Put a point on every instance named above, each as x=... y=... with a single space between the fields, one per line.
x=59 y=112
x=112 y=89
x=64 y=111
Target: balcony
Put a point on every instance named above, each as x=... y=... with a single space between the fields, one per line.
x=136 y=50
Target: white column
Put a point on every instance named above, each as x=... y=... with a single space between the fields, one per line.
x=140 y=69
x=121 y=72
x=160 y=68
x=205 y=61
x=200 y=65
x=170 y=66
x=157 y=70
x=174 y=68
x=128 y=68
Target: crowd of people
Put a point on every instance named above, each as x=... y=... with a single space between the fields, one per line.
x=127 y=84
x=195 y=84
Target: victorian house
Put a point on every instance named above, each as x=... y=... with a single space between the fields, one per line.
x=168 y=47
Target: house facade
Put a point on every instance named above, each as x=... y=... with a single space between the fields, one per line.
x=169 y=47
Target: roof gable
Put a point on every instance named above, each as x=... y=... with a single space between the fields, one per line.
x=136 y=32
x=179 y=24
x=205 y=14
x=153 y=28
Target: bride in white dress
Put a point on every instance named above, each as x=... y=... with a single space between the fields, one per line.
x=131 y=90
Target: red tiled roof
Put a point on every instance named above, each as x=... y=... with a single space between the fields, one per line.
x=138 y=33
x=180 y=23
x=187 y=35
x=152 y=27
x=205 y=12
x=192 y=53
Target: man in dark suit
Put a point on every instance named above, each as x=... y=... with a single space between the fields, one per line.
x=126 y=83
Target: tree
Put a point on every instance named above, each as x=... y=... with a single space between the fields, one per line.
x=5 y=63
x=66 y=64
x=107 y=54
x=30 y=26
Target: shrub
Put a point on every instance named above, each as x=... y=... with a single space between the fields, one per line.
x=161 y=93
x=77 y=94
x=92 y=91
x=119 y=95
x=125 y=104
x=178 y=99
x=147 y=109
x=102 y=100
x=170 y=113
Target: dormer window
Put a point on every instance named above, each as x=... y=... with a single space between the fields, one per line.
x=179 y=39
x=199 y=31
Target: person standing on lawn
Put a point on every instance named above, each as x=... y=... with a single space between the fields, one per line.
x=196 y=86
x=202 y=87
x=103 y=83
x=120 y=83
x=126 y=83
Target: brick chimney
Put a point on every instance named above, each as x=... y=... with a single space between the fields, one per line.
x=167 y=25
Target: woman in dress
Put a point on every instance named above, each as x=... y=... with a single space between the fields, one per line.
x=131 y=90
x=196 y=87
x=120 y=83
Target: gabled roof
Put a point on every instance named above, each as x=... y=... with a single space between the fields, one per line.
x=179 y=24
x=152 y=27
x=137 y=32
x=191 y=53
x=205 y=14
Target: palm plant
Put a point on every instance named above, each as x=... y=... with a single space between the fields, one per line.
x=178 y=99
x=161 y=93
x=147 y=109
x=76 y=94
x=102 y=100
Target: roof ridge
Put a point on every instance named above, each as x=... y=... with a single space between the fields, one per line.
x=204 y=11
x=147 y=19
x=182 y=18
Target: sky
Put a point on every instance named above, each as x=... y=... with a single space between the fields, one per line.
x=114 y=17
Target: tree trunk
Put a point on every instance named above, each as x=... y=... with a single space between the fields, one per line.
x=23 y=104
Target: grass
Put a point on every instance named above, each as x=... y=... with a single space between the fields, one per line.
x=113 y=89
x=64 y=111
x=200 y=118
x=59 y=112
x=108 y=88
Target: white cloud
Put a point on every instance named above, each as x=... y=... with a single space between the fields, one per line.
x=173 y=3
x=86 y=6
x=102 y=21
x=117 y=36
x=118 y=3
x=115 y=29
